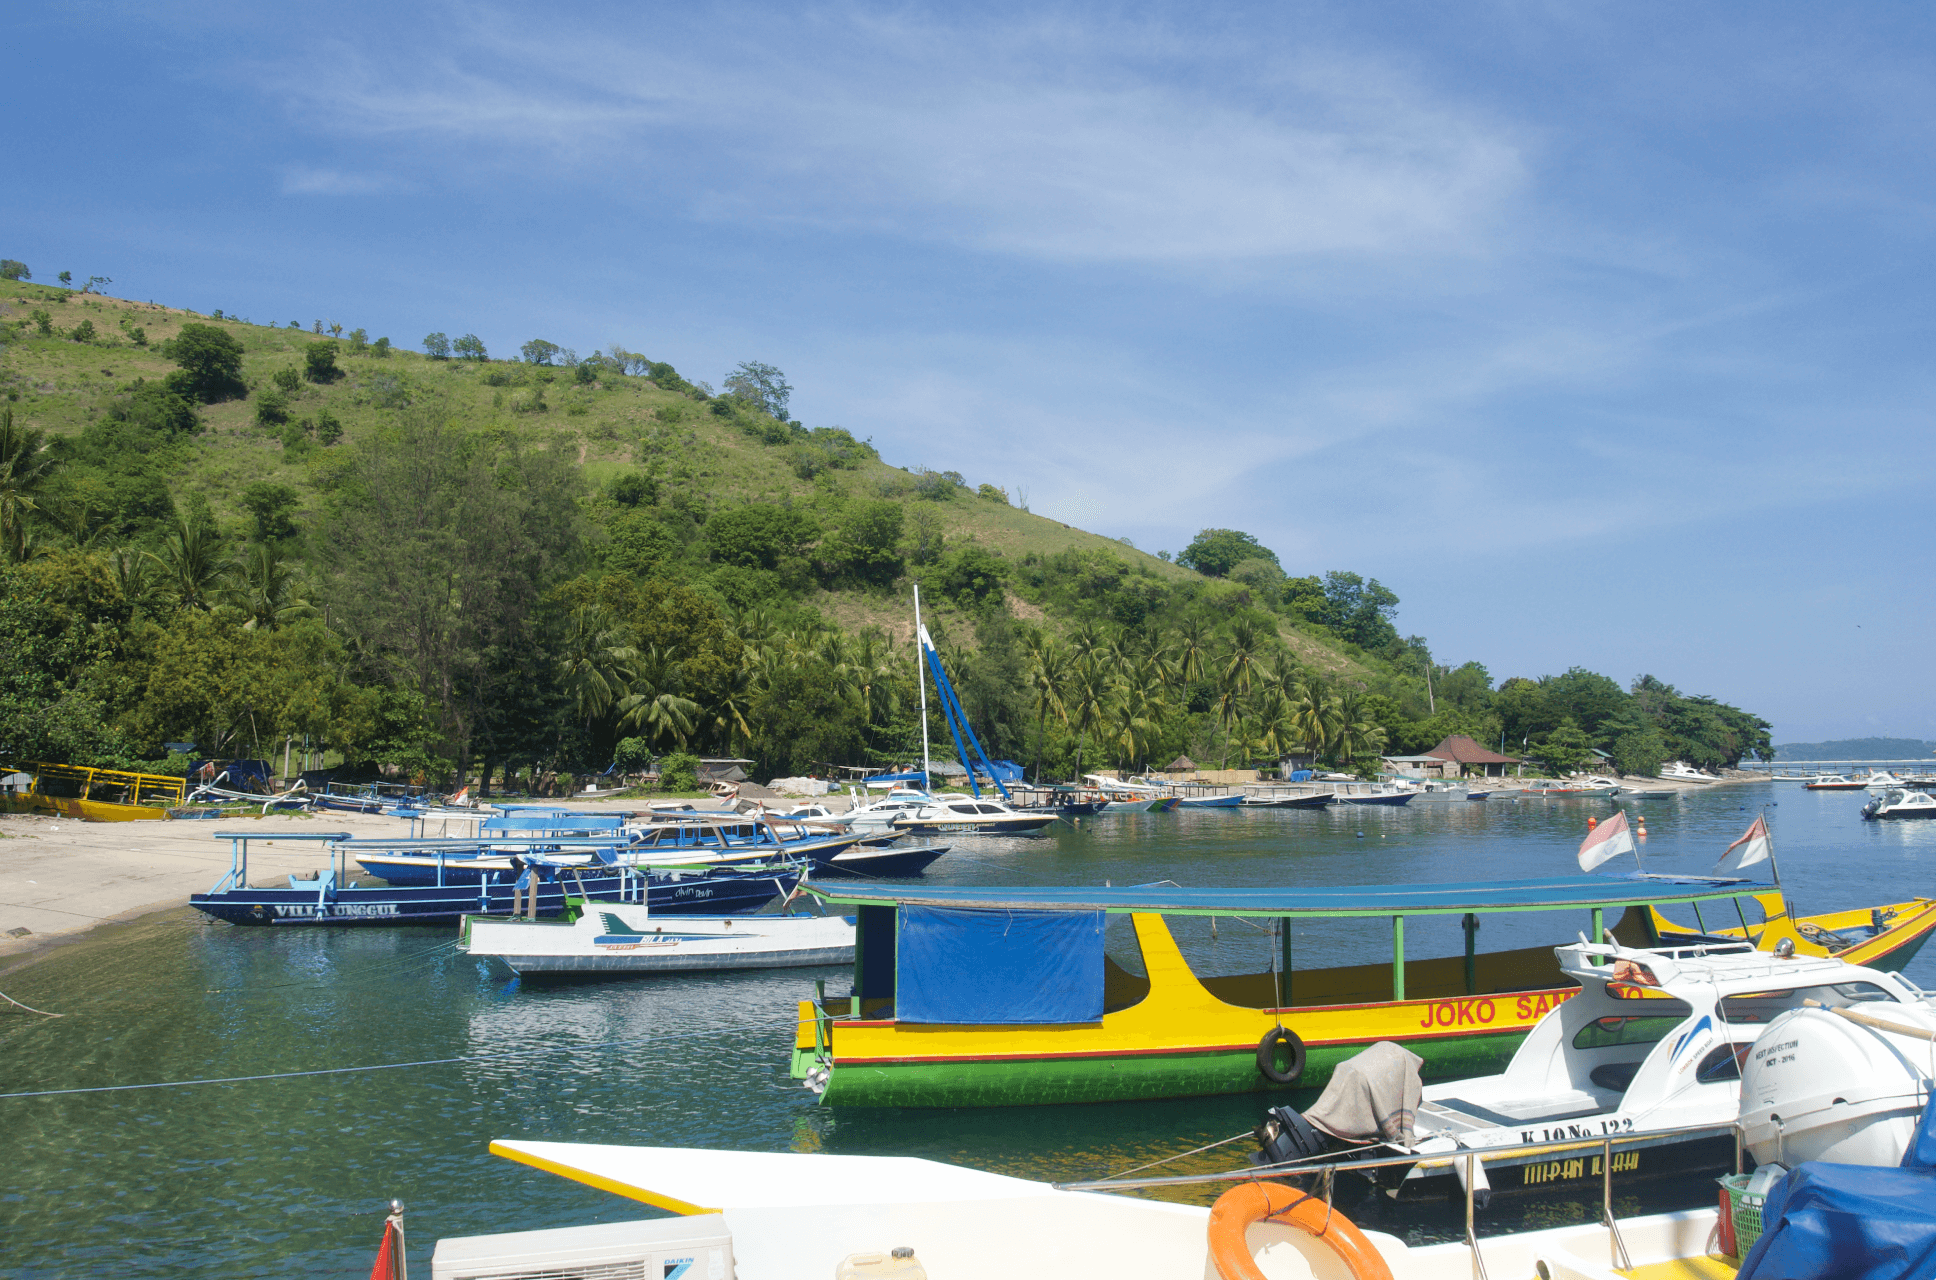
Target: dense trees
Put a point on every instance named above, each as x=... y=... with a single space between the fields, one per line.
x=452 y=597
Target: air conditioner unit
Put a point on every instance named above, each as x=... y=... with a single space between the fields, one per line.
x=695 y=1248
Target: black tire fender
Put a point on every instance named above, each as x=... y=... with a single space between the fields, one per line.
x=1267 y=1055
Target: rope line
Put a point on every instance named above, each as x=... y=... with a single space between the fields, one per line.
x=1208 y=1146
x=394 y=1066
x=29 y=1008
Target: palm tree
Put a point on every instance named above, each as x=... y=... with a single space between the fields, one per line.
x=1048 y=670
x=873 y=672
x=1193 y=641
x=1314 y=712
x=1085 y=700
x=269 y=590
x=1357 y=733
x=732 y=703
x=1244 y=661
x=598 y=658
x=195 y=566
x=655 y=704
x=25 y=465
x=134 y=573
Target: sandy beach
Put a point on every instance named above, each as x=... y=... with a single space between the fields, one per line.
x=60 y=877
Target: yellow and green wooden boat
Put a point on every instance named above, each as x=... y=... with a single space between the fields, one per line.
x=970 y=996
x=98 y=795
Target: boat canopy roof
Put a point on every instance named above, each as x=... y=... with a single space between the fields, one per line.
x=1546 y=894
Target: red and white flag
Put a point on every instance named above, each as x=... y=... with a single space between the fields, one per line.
x=1608 y=840
x=1755 y=846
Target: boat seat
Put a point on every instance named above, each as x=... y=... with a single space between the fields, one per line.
x=1614 y=1077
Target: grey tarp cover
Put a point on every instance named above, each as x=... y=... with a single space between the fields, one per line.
x=1372 y=1097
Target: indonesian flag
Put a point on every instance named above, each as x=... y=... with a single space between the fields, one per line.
x=1608 y=840
x=1756 y=846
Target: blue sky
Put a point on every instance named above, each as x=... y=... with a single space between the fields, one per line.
x=1597 y=332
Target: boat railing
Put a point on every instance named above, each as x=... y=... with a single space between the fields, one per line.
x=237 y=876
x=1472 y=1161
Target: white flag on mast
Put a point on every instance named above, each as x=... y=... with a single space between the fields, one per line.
x=1755 y=846
x=1608 y=840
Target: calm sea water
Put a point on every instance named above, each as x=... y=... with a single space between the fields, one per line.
x=289 y=1176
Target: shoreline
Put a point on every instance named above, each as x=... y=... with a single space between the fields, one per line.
x=62 y=878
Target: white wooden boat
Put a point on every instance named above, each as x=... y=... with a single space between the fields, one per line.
x=757 y=1215
x=879 y=816
x=1681 y=771
x=621 y=938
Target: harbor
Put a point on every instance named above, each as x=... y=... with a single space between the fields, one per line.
x=351 y=1066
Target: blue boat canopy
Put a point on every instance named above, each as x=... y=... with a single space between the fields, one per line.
x=1546 y=894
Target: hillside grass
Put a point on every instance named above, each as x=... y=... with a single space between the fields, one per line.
x=614 y=426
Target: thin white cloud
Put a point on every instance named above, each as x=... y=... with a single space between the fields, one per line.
x=1043 y=143
x=303 y=181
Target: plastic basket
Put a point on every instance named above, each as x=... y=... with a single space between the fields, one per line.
x=1745 y=1208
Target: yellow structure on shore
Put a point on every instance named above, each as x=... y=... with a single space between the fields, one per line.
x=95 y=795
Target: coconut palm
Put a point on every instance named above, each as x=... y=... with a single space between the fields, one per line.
x=134 y=574
x=195 y=567
x=25 y=465
x=1357 y=734
x=597 y=661
x=269 y=590
x=733 y=701
x=1085 y=700
x=1314 y=712
x=656 y=704
x=1243 y=662
x=1192 y=648
x=1046 y=672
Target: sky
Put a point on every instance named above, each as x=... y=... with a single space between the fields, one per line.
x=1597 y=332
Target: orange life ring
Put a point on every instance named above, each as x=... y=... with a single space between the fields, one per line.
x=1239 y=1207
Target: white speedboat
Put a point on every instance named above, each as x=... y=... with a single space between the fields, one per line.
x=620 y=938
x=1901 y=802
x=1836 y=782
x=878 y=817
x=966 y=814
x=1681 y=771
x=1652 y=1044
x=1881 y=780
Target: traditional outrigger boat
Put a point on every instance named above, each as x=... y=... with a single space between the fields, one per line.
x=330 y=898
x=97 y=795
x=968 y=996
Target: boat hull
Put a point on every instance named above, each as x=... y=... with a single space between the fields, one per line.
x=649 y=944
x=446 y=905
x=892 y=864
x=1027 y=826
x=1135 y=1076
x=1292 y=802
x=1210 y=802
x=1403 y=797
x=102 y=811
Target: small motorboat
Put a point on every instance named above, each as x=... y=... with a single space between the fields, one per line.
x=1836 y=782
x=1655 y=1042
x=620 y=938
x=1380 y=793
x=985 y=816
x=1681 y=771
x=1317 y=801
x=1881 y=780
x=1556 y=788
x=895 y=862
x=1900 y=802
x=879 y=816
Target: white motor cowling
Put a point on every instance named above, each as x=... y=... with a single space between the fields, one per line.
x=1818 y=1086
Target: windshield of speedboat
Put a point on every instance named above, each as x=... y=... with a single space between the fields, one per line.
x=1764 y=1006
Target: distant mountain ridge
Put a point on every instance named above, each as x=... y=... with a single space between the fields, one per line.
x=1856 y=749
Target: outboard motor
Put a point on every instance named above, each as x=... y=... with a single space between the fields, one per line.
x=1826 y=1085
x=1285 y=1135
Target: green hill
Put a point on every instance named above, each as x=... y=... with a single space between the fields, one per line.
x=1857 y=749
x=242 y=535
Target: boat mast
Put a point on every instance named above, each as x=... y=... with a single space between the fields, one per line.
x=921 y=683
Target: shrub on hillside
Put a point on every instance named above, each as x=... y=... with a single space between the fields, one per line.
x=272 y=408
x=319 y=362
x=11 y=269
x=437 y=346
x=470 y=347
x=82 y=332
x=287 y=379
x=328 y=429
x=381 y=348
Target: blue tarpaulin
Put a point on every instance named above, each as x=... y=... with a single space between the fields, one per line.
x=966 y=966
x=1922 y=1149
x=1847 y=1222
